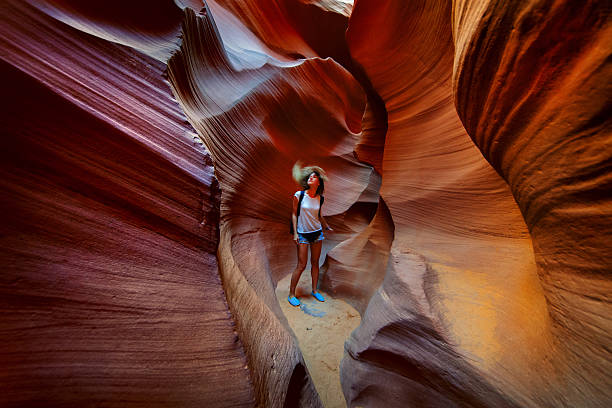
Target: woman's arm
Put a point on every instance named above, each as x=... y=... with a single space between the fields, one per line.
x=294 y=218
x=324 y=223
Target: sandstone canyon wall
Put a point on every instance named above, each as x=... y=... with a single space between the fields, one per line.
x=468 y=147
x=110 y=290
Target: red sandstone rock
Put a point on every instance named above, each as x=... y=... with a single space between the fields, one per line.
x=110 y=287
x=479 y=270
x=292 y=29
x=475 y=297
x=540 y=75
x=257 y=122
x=151 y=27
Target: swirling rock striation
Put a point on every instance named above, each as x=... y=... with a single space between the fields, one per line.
x=468 y=147
x=110 y=288
x=540 y=75
x=257 y=115
x=492 y=257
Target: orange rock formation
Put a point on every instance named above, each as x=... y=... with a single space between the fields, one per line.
x=468 y=148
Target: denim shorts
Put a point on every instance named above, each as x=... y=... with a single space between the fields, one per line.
x=310 y=237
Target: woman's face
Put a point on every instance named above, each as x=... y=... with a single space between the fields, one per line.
x=313 y=180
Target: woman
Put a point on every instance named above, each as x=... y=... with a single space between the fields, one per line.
x=308 y=226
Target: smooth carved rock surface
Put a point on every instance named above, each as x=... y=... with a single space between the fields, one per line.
x=526 y=317
x=468 y=148
x=543 y=121
x=452 y=209
x=110 y=288
x=258 y=115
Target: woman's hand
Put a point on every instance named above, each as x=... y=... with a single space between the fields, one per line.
x=295 y=238
x=328 y=228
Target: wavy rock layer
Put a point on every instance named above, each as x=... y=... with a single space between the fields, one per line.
x=258 y=115
x=453 y=211
x=461 y=317
x=110 y=288
x=290 y=29
x=468 y=148
x=540 y=75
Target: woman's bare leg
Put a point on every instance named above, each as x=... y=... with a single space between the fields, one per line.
x=302 y=250
x=315 y=253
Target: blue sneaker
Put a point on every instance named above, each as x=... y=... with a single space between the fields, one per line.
x=293 y=300
x=318 y=296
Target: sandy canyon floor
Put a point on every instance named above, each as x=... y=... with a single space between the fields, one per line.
x=321 y=329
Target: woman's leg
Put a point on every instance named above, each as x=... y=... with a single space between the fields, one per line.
x=302 y=250
x=315 y=253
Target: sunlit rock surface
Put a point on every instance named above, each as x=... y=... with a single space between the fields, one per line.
x=516 y=321
x=536 y=100
x=468 y=147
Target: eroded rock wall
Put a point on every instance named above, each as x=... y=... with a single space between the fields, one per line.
x=468 y=149
x=540 y=76
x=258 y=115
x=477 y=286
x=110 y=288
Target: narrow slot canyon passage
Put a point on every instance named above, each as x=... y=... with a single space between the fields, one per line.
x=147 y=158
x=321 y=329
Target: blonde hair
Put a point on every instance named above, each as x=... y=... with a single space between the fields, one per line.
x=301 y=174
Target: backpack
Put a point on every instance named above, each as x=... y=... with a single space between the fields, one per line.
x=297 y=213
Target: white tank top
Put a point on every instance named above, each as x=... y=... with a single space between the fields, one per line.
x=308 y=220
